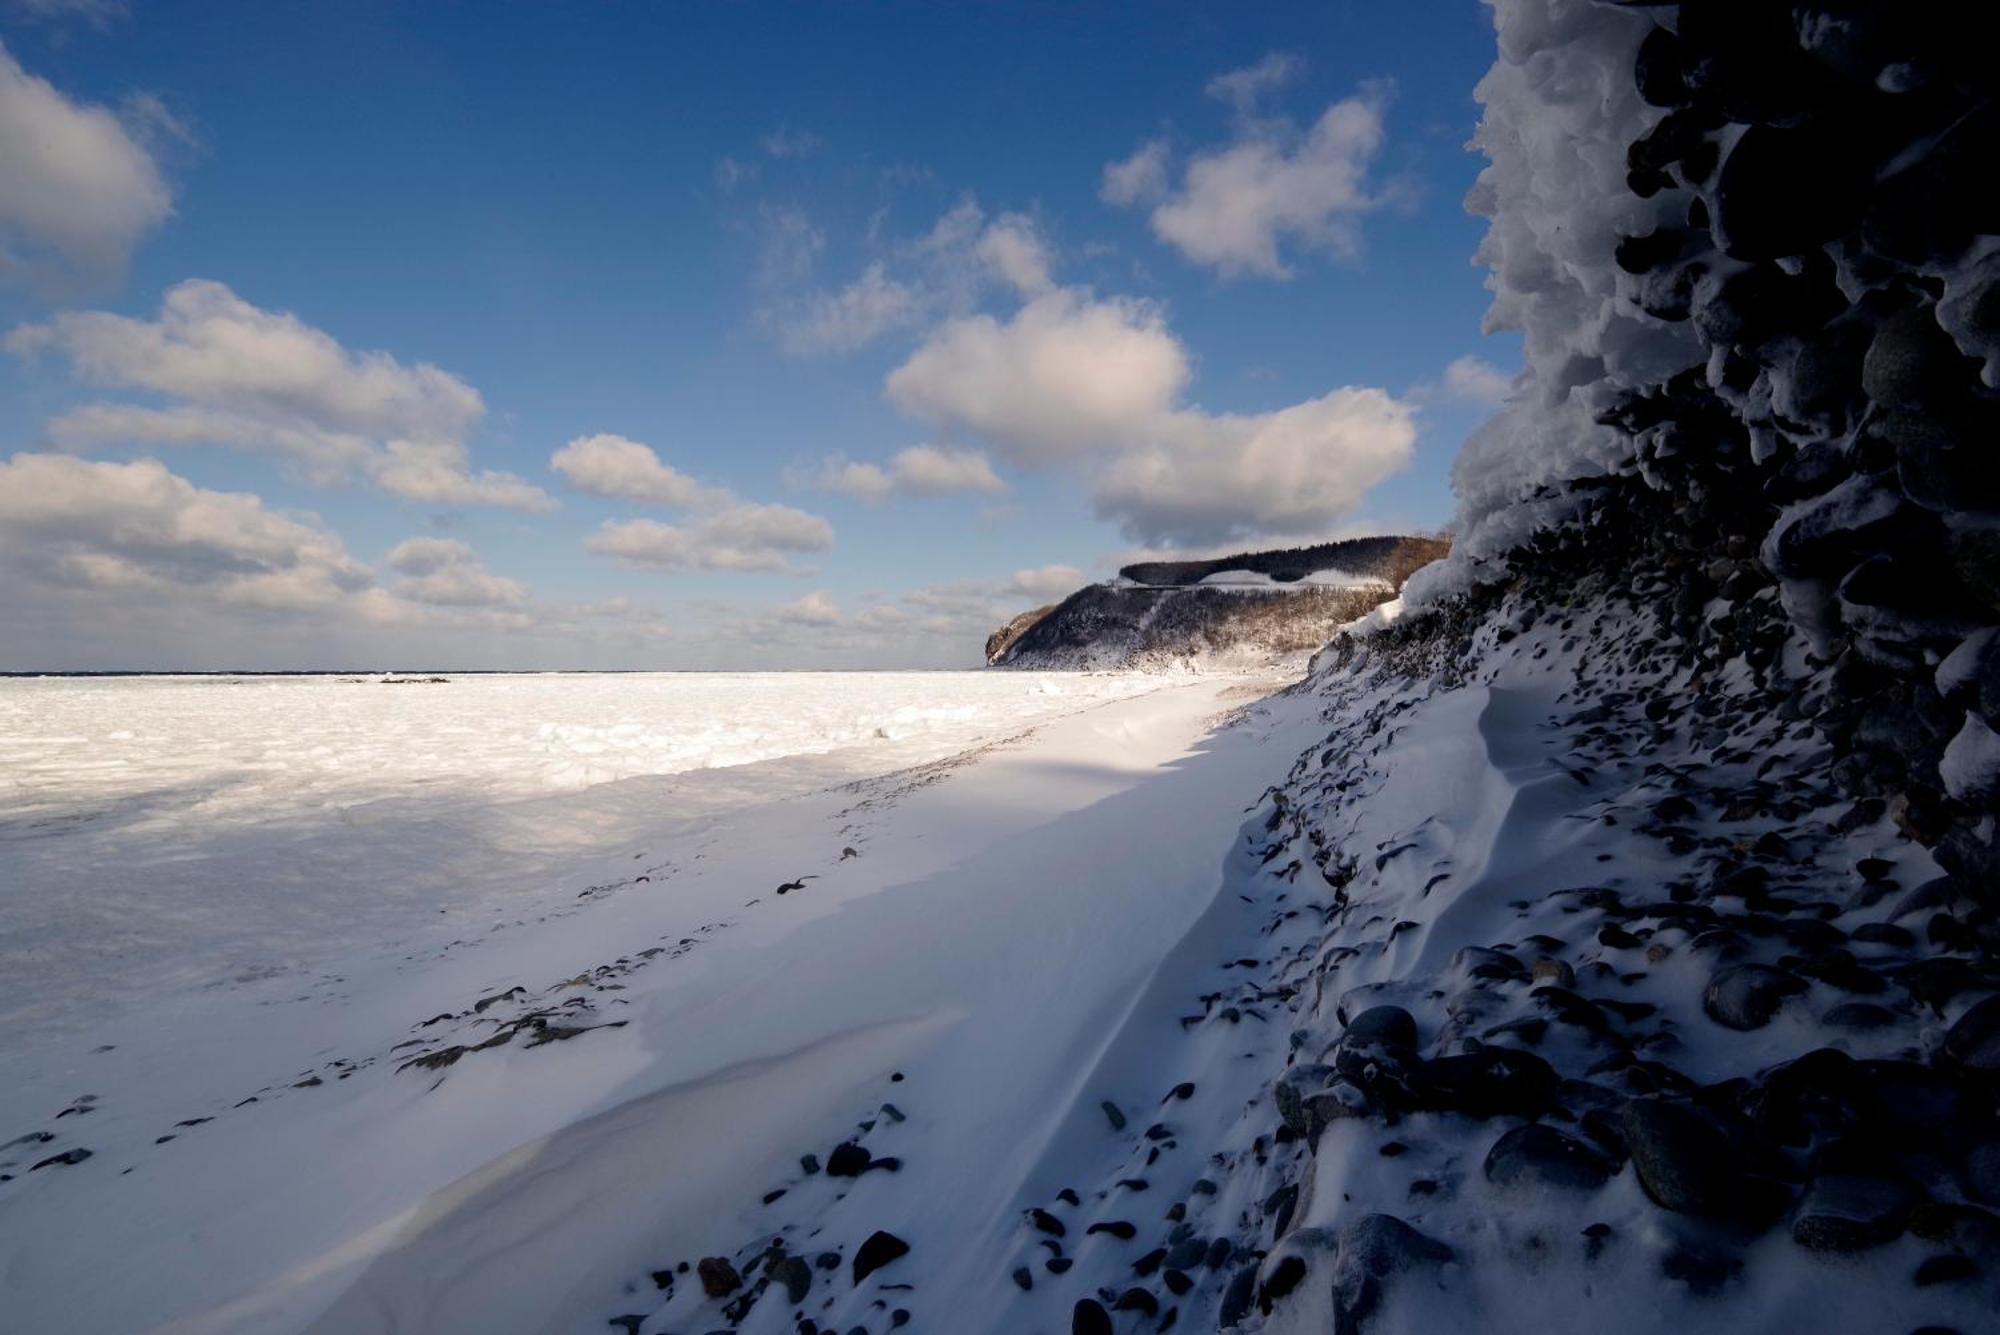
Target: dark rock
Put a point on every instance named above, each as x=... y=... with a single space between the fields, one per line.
x=881 y=1249
x=847 y=1160
x=1369 y=1254
x=1024 y=1277
x=1112 y=1115
x=1859 y=1015
x=1705 y=1271
x=1088 y=1317
x=1236 y=1299
x=1390 y=1025
x=718 y=1277
x=1488 y=1083
x=1844 y=1212
x=1117 y=1228
x=1948 y=1269
x=1539 y=1156
x=1688 y=1166
x=795 y=1275
x=1974 y=1038
x=1047 y=1222
x=1746 y=996
x=1137 y=1300
x=1291 y=1090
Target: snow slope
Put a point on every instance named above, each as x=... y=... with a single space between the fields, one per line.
x=673 y=1049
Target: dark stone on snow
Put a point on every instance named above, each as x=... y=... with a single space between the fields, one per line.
x=1088 y=1317
x=1047 y=1222
x=1542 y=1157
x=880 y=1249
x=795 y=1275
x=1369 y=1254
x=1974 y=1039
x=847 y=1160
x=1389 y=1025
x=1859 y=1015
x=1285 y=1277
x=1947 y=1269
x=1112 y=1115
x=1137 y=1300
x=718 y=1277
x=1688 y=1166
x=1491 y=1082
x=1236 y=1299
x=1843 y=1212
x=1117 y=1228
x=1024 y=1277
x=1704 y=1271
x=1746 y=996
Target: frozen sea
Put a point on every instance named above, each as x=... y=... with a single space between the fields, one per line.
x=164 y=833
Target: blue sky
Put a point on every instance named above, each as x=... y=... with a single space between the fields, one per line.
x=765 y=242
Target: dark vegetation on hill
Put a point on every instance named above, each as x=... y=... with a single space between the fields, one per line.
x=1169 y=618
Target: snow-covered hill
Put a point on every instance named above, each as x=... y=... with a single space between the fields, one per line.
x=1244 y=610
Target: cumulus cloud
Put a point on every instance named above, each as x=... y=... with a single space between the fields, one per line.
x=137 y=528
x=1047 y=583
x=921 y=470
x=1237 y=206
x=267 y=382
x=1066 y=372
x=1204 y=478
x=447 y=573
x=1077 y=379
x=1139 y=179
x=78 y=188
x=945 y=271
x=815 y=609
x=1477 y=381
x=1244 y=88
x=609 y=465
x=742 y=537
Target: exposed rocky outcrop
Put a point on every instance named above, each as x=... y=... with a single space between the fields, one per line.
x=1249 y=608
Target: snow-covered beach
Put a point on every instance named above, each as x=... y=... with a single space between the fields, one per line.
x=732 y=984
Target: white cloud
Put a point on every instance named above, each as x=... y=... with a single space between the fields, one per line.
x=1237 y=205
x=930 y=470
x=1477 y=381
x=1047 y=583
x=1065 y=373
x=447 y=573
x=77 y=188
x=1244 y=88
x=1203 y=478
x=856 y=315
x=267 y=382
x=945 y=271
x=1139 y=179
x=744 y=537
x=864 y=482
x=815 y=609
x=1015 y=250
x=785 y=142
x=609 y=465
x=137 y=529
x=921 y=470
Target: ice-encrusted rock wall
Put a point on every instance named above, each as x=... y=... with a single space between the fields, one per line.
x=1752 y=248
